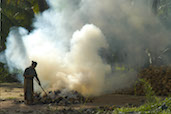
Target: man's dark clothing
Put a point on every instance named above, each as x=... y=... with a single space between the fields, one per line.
x=29 y=74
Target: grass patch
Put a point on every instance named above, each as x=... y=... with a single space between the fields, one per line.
x=160 y=107
x=11 y=98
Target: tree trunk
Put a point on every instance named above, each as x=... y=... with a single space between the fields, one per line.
x=155 y=6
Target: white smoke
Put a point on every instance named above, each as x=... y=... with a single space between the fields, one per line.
x=67 y=47
x=16 y=54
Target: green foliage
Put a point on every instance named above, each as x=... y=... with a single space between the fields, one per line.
x=5 y=76
x=164 y=7
x=153 y=104
x=148 y=108
x=18 y=13
x=15 y=13
x=148 y=90
x=149 y=93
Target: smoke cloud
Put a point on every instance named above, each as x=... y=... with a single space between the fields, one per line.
x=73 y=42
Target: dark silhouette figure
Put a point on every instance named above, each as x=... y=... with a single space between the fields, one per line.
x=29 y=75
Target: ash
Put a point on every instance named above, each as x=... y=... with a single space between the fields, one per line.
x=61 y=97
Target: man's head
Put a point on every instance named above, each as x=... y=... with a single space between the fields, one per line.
x=34 y=64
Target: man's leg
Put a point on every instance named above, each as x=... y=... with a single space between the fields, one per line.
x=30 y=100
x=25 y=90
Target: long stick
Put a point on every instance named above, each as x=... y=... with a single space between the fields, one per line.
x=42 y=88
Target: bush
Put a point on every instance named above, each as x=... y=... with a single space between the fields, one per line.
x=5 y=76
x=149 y=93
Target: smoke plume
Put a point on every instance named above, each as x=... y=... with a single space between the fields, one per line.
x=73 y=42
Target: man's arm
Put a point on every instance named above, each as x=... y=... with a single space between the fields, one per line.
x=38 y=81
x=37 y=78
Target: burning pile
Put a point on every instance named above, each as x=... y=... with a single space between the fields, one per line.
x=61 y=98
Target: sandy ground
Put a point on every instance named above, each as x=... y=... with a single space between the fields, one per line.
x=12 y=92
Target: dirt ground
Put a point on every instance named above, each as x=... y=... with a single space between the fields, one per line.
x=11 y=101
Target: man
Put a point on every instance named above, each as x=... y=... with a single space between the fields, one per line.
x=29 y=75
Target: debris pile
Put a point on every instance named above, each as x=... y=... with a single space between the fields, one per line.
x=61 y=98
x=159 y=77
